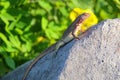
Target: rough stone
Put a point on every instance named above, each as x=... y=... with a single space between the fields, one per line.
x=96 y=56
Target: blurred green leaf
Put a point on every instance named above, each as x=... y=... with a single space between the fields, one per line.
x=10 y=49
x=63 y=11
x=32 y=22
x=12 y=25
x=82 y=3
x=118 y=15
x=28 y=46
x=45 y=5
x=117 y=2
x=4 y=38
x=3 y=68
x=16 y=2
x=10 y=62
x=6 y=17
x=51 y=34
x=14 y=40
x=113 y=4
x=5 y=4
x=19 y=31
x=104 y=14
x=44 y=23
x=20 y=24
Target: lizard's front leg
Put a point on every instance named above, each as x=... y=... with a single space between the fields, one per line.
x=76 y=31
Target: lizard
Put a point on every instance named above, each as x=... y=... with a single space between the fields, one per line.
x=70 y=33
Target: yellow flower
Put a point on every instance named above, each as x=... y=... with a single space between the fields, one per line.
x=92 y=20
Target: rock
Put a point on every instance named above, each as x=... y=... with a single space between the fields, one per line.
x=96 y=56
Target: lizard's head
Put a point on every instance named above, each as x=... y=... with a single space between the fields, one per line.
x=85 y=15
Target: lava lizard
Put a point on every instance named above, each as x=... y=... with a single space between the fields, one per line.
x=70 y=33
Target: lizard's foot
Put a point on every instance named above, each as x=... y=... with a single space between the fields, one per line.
x=76 y=37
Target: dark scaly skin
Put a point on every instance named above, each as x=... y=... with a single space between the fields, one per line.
x=68 y=35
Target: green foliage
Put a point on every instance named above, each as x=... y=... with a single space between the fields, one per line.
x=107 y=9
x=27 y=27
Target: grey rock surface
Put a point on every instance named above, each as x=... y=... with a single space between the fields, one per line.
x=96 y=56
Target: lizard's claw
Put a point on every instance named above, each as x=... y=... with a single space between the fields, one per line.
x=76 y=37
